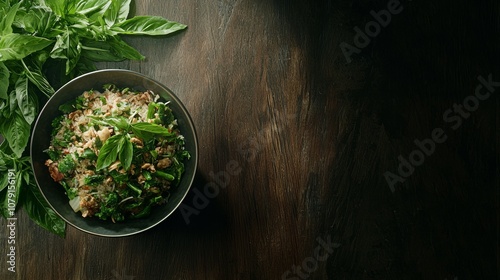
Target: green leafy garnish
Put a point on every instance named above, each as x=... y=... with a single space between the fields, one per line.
x=109 y=208
x=94 y=179
x=109 y=151
x=67 y=164
x=119 y=146
x=149 y=130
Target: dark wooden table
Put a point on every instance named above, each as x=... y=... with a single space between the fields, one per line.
x=337 y=155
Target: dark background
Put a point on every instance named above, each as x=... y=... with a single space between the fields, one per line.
x=269 y=88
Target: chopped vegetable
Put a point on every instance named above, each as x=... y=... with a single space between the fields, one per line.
x=67 y=164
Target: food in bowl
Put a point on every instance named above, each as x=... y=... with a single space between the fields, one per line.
x=116 y=153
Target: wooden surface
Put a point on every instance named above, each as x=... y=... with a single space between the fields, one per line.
x=300 y=140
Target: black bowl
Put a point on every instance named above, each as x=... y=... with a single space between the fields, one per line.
x=54 y=193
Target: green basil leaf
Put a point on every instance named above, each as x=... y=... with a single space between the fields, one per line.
x=147 y=131
x=33 y=100
x=5 y=150
x=17 y=133
x=39 y=80
x=26 y=177
x=93 y=9
x=38 y=20
x=68 y=107
x=18 y=46
x=5 y=176
x=59 y=7
x=13 y=102
x=40 y=212
x=120 y=143
x=3 y=114
x=147 y=25
x=80 y=25
x=4 y=5
x=151 y=128
x=89 y=154
x=115 y=49
x=11 y=197
x=126 y=153
x=22 y=21
x=19 y=185
x=109 y=152
x=67 y=47
x=38 y=59
x=4 y=162
x=117 y=12
x=8 y=19
x=119 y=122
x=27 y=105
x=61 y=45
x=4 y=81
x=4 y=181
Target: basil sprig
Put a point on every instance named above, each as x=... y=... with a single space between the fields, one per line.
x=119 y=147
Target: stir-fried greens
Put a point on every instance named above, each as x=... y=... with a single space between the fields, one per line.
x=116 y=153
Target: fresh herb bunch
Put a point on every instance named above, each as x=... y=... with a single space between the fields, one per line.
x=43 y=44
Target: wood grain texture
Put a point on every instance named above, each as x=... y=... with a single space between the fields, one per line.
x=303 y=140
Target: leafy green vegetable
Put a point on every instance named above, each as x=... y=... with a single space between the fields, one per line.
x=119 y=145
x=68 y=107
x=113 y=49
x=67 y=47
x=144 y=212
x=16 y=131
x=94 y=179
x=126 y=153
x=18 y=46
x=164 y=175
x=67 y=164
x=28 y=104
x=19 y=190
x=4 y=81
x=43 y=44
x=109 y=151
x=93 y=9
x=120 y=123
x=40 y=212
x=137 y=190
x=147 y=131
x=117 y=12
x=89 y=154
x=147 y=25
x=7 y=20
x=109 y=208
x=38 y=79
x=12 y=194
